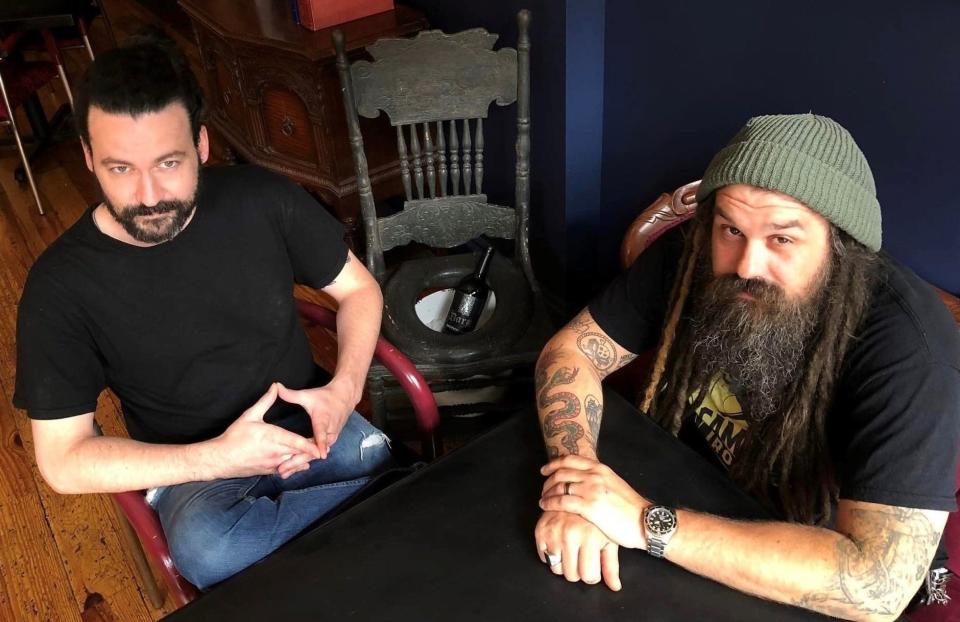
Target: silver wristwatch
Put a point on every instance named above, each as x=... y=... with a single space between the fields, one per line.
x=659 y=525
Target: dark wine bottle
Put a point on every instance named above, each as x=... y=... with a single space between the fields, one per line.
x=469 y=298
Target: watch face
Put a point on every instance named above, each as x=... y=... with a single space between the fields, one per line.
x=660 y=521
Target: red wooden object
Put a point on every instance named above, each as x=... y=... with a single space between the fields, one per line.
x=320 y=14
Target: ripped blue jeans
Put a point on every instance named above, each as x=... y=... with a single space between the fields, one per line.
x=217 y=528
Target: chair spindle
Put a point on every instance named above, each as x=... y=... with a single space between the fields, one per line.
x=442 y=158
x=404 y=163
x=467 y=157
x=417 y=164
x=454 y=158
x=478 y=156
x=431 y=171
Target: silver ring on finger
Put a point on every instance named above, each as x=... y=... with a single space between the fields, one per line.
x=566 y=488
x=553 y=559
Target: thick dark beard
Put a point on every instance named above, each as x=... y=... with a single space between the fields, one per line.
x=758 y=345
x=180 y=212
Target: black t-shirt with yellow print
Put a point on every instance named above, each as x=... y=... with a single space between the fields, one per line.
x=718 y=427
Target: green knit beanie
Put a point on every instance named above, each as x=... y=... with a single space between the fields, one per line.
x=808 y=157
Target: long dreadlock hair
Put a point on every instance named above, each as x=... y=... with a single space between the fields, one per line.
x=786 y=462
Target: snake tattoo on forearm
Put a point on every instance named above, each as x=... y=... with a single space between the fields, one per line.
x=560 y=421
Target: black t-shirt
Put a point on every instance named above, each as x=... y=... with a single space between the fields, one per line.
x=894 y=423
x=188 y=333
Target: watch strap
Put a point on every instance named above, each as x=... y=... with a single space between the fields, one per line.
x=656 y=546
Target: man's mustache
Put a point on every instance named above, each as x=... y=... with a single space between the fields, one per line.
x=758 y=288
x=163 y=207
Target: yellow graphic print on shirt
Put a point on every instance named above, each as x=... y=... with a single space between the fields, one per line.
x=720 y=420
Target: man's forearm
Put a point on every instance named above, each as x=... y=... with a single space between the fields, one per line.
x=116 y=464
x=358 y=327
x=568 y=392
x=569 y=403
x=811 y=567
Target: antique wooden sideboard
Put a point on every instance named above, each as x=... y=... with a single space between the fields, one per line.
x=274 y=96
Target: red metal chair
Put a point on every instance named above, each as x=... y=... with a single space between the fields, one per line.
x=141 y=517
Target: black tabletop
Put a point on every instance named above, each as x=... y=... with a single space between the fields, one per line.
x=454 y=541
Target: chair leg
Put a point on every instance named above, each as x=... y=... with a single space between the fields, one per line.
x=147 y=580
x=82 y=25
x=66 y=84
x=54 y=52
x=23 y=154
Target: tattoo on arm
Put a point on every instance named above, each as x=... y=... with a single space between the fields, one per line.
x=580 y=323
x=594 y=414
x=876 y=569
x=627 y=358
x=560 y=421
x=599 y=350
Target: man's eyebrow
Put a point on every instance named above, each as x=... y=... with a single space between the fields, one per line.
x=790 y=224
x=114 y=161
x=719 y=211
x=172 y=154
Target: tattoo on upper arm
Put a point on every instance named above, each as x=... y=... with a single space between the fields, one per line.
x=548 y=358
x=594 y=414
x=879 y=569
x=627 y=358
x=581 y=323
x=599 y=350
x=562 y=420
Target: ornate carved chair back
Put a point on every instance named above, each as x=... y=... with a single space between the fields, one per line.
x=436 y=90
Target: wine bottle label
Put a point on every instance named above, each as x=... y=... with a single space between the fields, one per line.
x=463 y=313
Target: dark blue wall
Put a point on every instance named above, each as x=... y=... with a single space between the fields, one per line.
x=681 y=77
x=583 y=127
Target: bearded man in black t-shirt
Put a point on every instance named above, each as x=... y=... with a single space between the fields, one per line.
x=176 y=292
x=819 y=373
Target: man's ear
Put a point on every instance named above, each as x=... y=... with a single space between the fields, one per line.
x=203 y=144
x=87 y=154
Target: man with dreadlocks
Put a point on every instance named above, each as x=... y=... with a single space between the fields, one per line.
x=822 y=375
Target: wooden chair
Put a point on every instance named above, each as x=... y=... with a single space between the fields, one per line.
x=142 y=528
x=436 y=90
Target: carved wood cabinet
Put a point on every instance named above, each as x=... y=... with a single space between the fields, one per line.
x=274 y=95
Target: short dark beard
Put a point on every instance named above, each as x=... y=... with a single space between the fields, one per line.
x=758 y=345
x=180 y=212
